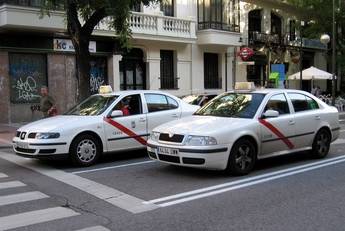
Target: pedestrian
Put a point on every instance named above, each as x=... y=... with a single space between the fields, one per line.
x=318 y=91
x=47 y=104
x=313 y=90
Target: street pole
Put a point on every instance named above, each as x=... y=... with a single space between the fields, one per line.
x=301 y=57
x=333 y=55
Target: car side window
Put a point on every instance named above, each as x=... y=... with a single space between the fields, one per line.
x=278 y=103
x=129 y=105
x=158 y=102
x=302 y=102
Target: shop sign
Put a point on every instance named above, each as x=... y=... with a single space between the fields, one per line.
x=67 y=45
x=245 y=53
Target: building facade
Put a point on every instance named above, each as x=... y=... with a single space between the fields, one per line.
x=183 y=47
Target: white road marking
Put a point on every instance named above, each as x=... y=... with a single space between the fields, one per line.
x=206 y=189
x=339 y=141
x=103 y=192
x=343 y=130
x=94 y=228
x=35 y=217
x=2 y=175
x=255 y=182
x=21 y=197
x=114 y=167
x=11 y=184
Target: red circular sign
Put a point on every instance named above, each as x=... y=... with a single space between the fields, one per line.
x=245 y=53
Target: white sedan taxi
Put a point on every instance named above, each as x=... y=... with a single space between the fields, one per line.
x=113 y=121
x=238 y=127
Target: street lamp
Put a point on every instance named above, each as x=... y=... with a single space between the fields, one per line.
x=325 y=39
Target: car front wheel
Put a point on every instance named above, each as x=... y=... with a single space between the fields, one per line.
x=85 y=150
x=242 y=157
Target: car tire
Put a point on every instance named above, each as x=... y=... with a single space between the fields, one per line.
x=321 y=144
x=242 y=157
x=85 y=150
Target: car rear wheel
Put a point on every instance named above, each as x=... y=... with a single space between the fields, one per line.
x=242 y=157
x=85 y=150
x=321 y=144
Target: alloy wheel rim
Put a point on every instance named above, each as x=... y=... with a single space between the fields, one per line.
x=86 y=150
x=243 y=157
x=322 y=143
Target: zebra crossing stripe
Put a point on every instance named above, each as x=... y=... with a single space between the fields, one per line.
x=11 y=184
x=35 y=217
x=2 y=175
x=21 y=197
x=94 y=228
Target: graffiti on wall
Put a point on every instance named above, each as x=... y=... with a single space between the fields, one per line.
x=2 y=83
x=27 y=76
x=98 y=74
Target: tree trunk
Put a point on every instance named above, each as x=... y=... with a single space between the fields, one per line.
x=83 y=67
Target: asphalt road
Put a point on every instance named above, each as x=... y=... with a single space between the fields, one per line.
x=129 y=192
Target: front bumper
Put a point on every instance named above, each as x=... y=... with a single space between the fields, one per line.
x=34 y=148
x=205 y=157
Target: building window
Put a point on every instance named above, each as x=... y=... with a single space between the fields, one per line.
x=276 y=24
x=136 y=7
x=292 y=30
x=168 y=80
x=219 y=15
x=211 y=77
x=167 y=6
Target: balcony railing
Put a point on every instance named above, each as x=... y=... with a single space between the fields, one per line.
x=259 y=37
x=218 y=26
x=149 y=24
x=31 y=3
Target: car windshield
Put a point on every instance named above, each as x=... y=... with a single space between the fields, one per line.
x=192 y=99
x=94 y=105
x=239 y=105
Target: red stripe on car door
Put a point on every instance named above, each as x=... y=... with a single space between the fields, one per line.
x=275 y=130
x=125 y=130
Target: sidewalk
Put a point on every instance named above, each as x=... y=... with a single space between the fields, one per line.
x=7 y=132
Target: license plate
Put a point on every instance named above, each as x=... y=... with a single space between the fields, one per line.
x=168 y=151
x=22 y=145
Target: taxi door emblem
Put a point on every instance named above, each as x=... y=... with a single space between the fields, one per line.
x=133 y=124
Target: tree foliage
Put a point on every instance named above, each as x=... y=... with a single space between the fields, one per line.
x=82 y=16
x=321 y=16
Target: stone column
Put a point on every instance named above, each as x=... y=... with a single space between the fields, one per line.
x=4 y=89
x=116 y=72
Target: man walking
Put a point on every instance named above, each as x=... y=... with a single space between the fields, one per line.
x=47 y=103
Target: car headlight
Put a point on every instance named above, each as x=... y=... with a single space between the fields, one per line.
x=200 y=140
x=154 y=136
x=47 y=135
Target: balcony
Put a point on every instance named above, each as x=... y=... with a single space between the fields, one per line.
x=155 y=27
x=256 y=37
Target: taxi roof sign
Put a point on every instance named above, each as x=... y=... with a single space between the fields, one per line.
x=105 y=89
x=244 y=86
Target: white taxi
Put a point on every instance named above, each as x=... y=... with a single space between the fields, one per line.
x=238 y=127
x=100 y=124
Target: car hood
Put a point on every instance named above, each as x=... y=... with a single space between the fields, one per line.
x=56 y=123
x=201 y=125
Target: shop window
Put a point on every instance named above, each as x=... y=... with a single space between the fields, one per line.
x=167 y=65
x=28 y=73
x=98 y=73
x=211 y=77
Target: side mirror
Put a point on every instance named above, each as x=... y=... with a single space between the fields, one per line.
x=270 y=114
x=116 y=113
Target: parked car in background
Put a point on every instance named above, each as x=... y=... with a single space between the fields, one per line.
x=199 y=100
x=239 y=127
x=108 y=122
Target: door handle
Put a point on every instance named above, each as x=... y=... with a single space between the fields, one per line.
x=142 y=120
x=174 y=115
x=317 y=117
x=292 y=122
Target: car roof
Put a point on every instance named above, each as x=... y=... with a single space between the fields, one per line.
x=130 y=92
x=271 y=90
